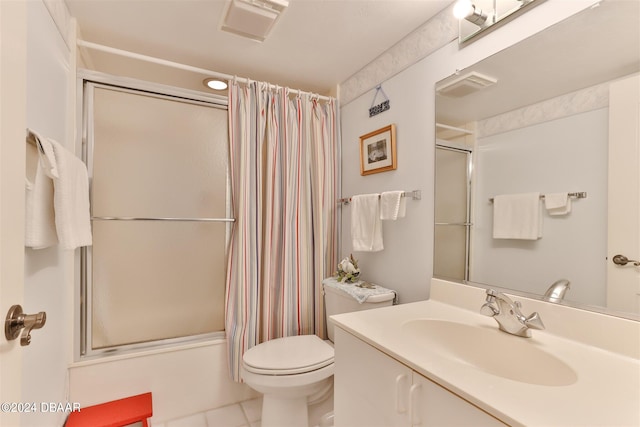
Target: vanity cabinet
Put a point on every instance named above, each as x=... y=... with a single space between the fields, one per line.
x=373 y=389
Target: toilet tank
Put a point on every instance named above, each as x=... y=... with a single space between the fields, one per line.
x=337 y=301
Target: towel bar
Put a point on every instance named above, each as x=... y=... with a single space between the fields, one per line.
x=122 y=218
x=577 y=195
x=415 y=195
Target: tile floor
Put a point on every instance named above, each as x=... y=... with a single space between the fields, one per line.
x=243 y=414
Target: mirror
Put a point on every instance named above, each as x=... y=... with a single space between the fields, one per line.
x=535 y=118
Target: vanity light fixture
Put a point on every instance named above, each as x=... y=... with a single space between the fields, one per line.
x=474 y=21
x=215 y=84
x=465 y=9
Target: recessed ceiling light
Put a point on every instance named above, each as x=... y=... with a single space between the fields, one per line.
x=215 y=84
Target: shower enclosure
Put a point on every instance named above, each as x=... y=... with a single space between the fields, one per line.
x=453 y=167
x=158 y=162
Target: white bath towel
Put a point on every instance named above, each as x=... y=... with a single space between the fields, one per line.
x=557 y=203
x=517 y=216
x=40 y=227
x=392 y=205
x=70 y=195
x=366 y=226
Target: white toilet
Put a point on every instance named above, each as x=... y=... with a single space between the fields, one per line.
x=293 y=371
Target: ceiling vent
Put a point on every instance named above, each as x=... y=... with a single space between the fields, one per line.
x=253 y=19
x=466 y=84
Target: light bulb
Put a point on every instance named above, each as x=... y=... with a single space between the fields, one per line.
x=215 y=84
x=462 y=9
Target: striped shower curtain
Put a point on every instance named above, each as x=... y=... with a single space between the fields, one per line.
x=284 y=187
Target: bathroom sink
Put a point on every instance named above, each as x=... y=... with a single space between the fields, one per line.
x=492 y=351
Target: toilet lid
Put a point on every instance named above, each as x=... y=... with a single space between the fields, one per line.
x=289 y=355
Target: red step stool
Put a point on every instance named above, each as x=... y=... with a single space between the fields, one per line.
x=117 y=413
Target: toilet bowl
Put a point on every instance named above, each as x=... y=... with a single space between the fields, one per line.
x=288 y=371
x=293 y=371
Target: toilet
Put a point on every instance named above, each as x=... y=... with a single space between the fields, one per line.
x=294 y=371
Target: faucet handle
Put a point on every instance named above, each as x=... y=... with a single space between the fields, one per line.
x=489 y=310
x=534 y=321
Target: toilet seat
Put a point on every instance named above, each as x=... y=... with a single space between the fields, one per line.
x=289 y=356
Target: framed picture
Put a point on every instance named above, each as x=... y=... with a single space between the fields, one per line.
x=378 y=151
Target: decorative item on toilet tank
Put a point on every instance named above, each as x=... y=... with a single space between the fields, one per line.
x=348 y=270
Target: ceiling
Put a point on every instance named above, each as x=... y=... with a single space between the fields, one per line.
x=314 y=46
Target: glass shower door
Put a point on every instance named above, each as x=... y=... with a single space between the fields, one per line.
x=156 y=272
x=452 y=212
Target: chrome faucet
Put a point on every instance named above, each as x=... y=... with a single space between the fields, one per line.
x=556 y=292
x=508 y=315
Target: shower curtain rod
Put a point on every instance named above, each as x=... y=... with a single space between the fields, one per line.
x=128 y=54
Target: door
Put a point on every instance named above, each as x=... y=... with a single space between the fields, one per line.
x=623 y=281
x=12 y=173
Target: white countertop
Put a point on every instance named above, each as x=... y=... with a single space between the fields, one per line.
x=606 y=392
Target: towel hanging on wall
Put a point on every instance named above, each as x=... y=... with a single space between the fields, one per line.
x=40 y=226
x=366 y=226
x=517 y=216
x=557 y=203
x=393 y=205
x=70 y=192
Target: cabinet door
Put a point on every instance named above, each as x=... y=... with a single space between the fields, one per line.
x=371 y=389
x=432 y=405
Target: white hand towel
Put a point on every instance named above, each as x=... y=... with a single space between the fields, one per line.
x=392 y=205
x=366 y=226
x=557 y=203
x=517 y=216
x=40 y=227
x=70 y=195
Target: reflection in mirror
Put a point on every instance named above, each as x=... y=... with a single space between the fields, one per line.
x=545 y=116
x=478 y=16
x=452 y=214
